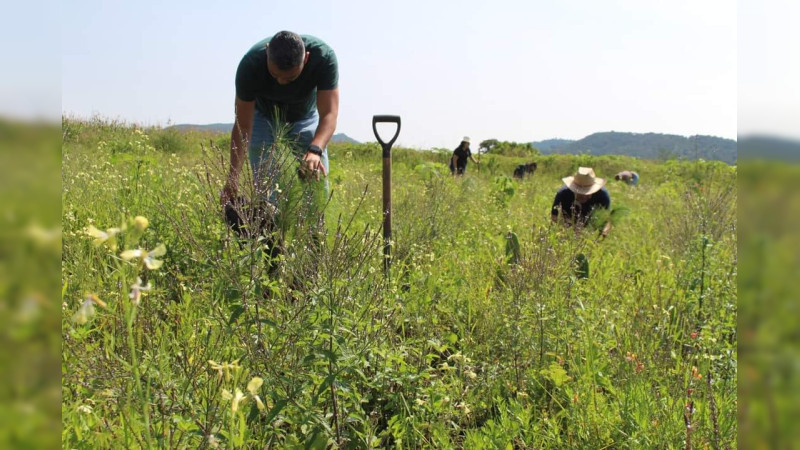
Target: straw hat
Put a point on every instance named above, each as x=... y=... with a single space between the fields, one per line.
x=466 y=139
x=584 y=182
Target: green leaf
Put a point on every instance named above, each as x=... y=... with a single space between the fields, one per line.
x=237 y=311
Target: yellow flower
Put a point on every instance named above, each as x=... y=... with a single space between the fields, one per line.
x=254 y=385
x=149 y=258
x=236 y=400
x=259 y=403
x=226 y=395
x=224 y=368
x=471 y=375
x=140 y=223
x=464 y=407
x=109 y=237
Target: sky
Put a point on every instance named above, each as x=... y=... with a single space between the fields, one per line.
x=508 y=70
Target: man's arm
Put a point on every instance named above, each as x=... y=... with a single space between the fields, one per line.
x=240 y=137
x=328 y=107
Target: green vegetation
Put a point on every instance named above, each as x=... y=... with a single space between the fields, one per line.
x=486 y=335
x=507 y=148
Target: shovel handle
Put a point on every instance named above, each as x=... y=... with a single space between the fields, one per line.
x=387 y=146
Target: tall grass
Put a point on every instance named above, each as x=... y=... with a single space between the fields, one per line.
x=464 y=346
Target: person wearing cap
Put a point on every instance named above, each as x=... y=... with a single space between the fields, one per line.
x=581 y=194
x=629 y=177
x=291 y=80
x=458 y=163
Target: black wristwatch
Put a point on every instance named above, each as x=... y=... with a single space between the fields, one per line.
x=315 y=150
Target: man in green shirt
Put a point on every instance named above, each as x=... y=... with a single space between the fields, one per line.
x=293 y=80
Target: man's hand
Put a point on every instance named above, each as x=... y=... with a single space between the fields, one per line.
x=311 y=166
x=228 y=192
x=606 y=230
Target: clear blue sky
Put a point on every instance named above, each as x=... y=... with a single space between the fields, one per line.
x=522 y=71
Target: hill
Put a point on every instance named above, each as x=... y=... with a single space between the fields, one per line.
x=226 y=128
x=645 y=146
x=769 y=147
x=547 y=145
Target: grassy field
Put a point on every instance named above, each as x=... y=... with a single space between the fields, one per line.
x=176 y=334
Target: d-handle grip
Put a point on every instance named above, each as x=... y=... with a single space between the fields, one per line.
x=385 y=119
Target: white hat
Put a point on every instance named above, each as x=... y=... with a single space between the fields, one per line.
x=584 y=182
x=466 y=139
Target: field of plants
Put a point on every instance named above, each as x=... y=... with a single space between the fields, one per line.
x=494 y=328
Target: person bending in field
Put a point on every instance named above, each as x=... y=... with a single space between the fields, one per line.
x=288 y=79
x=630 y=178
x=580 y=196
x=458 y=163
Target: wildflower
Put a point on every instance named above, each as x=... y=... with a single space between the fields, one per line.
x=696 y=373
x=109 y=237
x=639 y=367
x=259 y=403
x=149 y=258
x=140 y=223
x=86 y=311
x=226 y=395
x=575 y=398
x=137 y=289
x=224 y=368
x=470 y=374
x=420 y=401
x=44 y=237
x=464 y=407
x=85 y=409
x=630 y=357
x=254 y=385
x=695 y=334
x=237 y=398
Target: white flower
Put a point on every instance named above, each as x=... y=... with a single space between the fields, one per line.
x=149 y=258
x=86 y=311
x=137 y=289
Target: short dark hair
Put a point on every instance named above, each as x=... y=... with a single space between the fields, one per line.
x=286 y=50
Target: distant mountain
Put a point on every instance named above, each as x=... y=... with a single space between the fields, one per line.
x=227 y=127
x=548 y=145
x=769 y=147
x=212 y=127
x=646 y=146
x=341 y=137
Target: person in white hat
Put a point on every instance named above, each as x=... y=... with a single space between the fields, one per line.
x=581 y=195
x=458 y=163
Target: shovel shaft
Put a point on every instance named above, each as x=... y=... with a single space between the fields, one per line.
x=387 y=212
x=386 y=148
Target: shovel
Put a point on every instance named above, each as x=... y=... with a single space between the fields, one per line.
x=387 y=186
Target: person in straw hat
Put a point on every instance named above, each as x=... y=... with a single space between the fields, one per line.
x=581 y=195
x=458 y=163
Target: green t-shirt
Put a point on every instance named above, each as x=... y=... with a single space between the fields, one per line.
x=296 y=100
